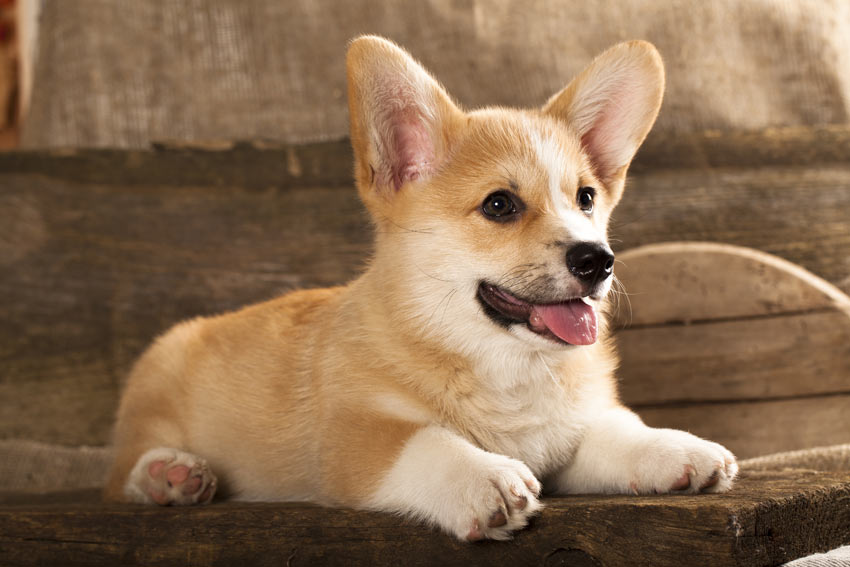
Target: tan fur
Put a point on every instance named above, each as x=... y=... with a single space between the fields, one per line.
x=314 y=395
x=291 y=379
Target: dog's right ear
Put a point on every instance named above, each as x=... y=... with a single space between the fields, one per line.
x=401 y=119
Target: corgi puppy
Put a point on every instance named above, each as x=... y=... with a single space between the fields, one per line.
x=470 y=367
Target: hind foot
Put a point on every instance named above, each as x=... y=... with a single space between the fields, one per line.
x=169 y=477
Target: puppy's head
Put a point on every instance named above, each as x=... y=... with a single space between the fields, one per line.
x=491 y=225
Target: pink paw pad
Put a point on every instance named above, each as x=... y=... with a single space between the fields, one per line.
x=178 y=484
x=155 y=468
x=684 y=481
x=177 y=475
x=475 y=533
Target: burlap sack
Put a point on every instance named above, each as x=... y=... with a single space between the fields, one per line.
x=119 y=73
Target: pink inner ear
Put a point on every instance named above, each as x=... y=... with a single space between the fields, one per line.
x=412 y=152
x=602 y=144
x=610 y=141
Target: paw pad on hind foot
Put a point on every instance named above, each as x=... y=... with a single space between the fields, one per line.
x=179 y=484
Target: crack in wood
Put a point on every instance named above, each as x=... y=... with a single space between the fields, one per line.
x=717 y=320
x=737 y=401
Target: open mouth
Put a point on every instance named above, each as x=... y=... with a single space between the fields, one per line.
x=572 y=322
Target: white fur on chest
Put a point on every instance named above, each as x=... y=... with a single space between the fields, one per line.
x=526 y=410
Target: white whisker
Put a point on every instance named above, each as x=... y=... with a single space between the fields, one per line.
x=549 y=370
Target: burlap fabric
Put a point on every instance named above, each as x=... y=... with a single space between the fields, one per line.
x=27 y=466
x=832 y=458
x=119 y=73
x=836 y=558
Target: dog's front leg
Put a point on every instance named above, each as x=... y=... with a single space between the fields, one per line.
x=444 y=479
x=620 y=454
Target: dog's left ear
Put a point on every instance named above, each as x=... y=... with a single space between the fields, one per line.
x=612 y=105
x=401 y=119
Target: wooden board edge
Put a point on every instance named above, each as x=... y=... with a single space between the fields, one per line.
x=331 y=161
x=769 y=524
x=833 y=297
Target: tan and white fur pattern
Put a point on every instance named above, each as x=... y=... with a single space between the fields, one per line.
x=398 y=392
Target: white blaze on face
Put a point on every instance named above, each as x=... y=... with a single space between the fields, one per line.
x=562 y=184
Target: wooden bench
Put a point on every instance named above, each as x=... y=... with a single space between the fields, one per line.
x=770 y=518
x=100 y=250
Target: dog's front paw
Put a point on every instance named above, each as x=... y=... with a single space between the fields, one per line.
x=494 y=500
x=468 y=492
x=676 y=461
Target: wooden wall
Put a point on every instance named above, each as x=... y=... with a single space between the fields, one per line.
x=102 y=250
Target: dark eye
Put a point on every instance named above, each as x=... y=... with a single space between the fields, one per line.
x=585 y=198
x=500 y=206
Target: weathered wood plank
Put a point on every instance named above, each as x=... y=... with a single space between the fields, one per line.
x=768 y=519
x=738 y=328
x=782 y=356
x=774 y=146
x=255 y=165
x=263 y=164
x=683 y=282
x=89 y=274
x=799 y=214
x=91 y=270
x=750 y=428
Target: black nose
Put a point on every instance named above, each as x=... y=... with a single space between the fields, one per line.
x=590 y=262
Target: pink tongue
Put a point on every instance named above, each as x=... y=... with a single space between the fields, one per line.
x=573 y=322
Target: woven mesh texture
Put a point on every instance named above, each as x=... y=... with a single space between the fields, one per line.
x=121 y=74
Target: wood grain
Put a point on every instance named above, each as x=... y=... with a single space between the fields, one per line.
x=797 y=146
x=719 y=331
x=90 y=274
x=264 y=163
x=799 y=214
x=684 y=282
x=768 y=519
x=100 y=250
x=782 y=356
x=254 y=165
x=750 y=428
